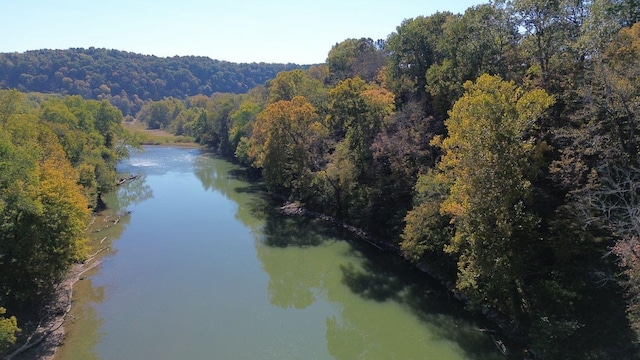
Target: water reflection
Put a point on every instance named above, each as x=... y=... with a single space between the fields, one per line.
x=308 y=262
x=383 y=279
x=295 y=276
x=264 y=286
x=282 y=231
x=131 y=192
x=386 y=309
x=83 y=320
x=83 y=324
x=231 y=181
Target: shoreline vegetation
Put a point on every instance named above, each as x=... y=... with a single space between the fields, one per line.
x=500 y=146
x=295 y=208
x=45 y=337
x=48 y=335
x=145 y=136
x=44 y=340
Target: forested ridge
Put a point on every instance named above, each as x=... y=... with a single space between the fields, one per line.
x=498 y=147
x=128 y=79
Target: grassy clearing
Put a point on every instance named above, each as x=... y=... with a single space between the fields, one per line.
x=158 y=137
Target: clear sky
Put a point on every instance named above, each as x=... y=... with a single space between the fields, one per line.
x=236 y=30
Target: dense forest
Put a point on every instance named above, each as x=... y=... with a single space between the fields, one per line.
x=497 y=149
x=57 y=156
x=128 y=79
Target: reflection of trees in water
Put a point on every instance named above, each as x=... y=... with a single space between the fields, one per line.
x=294 y=253
x=284 y=231
x=85 y=323
x=220 y=175
x=131 y=193
x=292 y=275
x=83 y=331
x=296 y=276
x=224 y=177
x=209 y=176
x=382 y=278
x=234 y=183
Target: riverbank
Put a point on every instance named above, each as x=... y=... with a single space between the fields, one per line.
x=294 y=208
x=310 y=271
x=42 y=340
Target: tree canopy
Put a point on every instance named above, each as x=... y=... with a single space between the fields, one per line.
x=497 y=148
x=56 y=158
x=128 y=79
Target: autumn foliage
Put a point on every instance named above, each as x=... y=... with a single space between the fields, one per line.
x=498 y=148
x=54 y=165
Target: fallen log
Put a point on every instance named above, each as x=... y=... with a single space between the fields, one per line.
x=129 y=178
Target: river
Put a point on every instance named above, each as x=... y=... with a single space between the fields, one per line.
x=201 y=266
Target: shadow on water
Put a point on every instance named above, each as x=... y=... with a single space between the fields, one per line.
x=249 y=175
x=379 y=277
x=605 y=333
x=250 y=179
x=283 y=231
x=298 y=279
x=386 y=277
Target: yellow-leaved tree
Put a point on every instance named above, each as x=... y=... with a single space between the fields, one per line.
x=487 y=167
x=287 y=143
x=43 y=211
x=8 y=330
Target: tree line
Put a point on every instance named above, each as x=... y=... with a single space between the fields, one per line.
x=127 y=79
x=57 y=157
x=498 y=147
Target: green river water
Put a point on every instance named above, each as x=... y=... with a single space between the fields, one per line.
x=200 y=266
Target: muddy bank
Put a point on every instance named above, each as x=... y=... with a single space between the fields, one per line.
x=44 y=340
x=41 y=340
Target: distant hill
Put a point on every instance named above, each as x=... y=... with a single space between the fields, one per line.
x=128 y=79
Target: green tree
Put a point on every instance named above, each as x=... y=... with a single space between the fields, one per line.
x=42 y=207
x=160 y=114
x=108 y=122
x=287 y=143
x=413 y=49
x=357 y=112
x=355 y=58
x=44 y=223
x=552 y=29
x=482 y=41
x=289 y=84
x=219 y=112
x=427 y=230
x=487 y=160
x=241 y=129
x=93 y=139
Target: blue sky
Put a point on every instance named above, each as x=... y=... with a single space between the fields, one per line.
x=240 y=30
